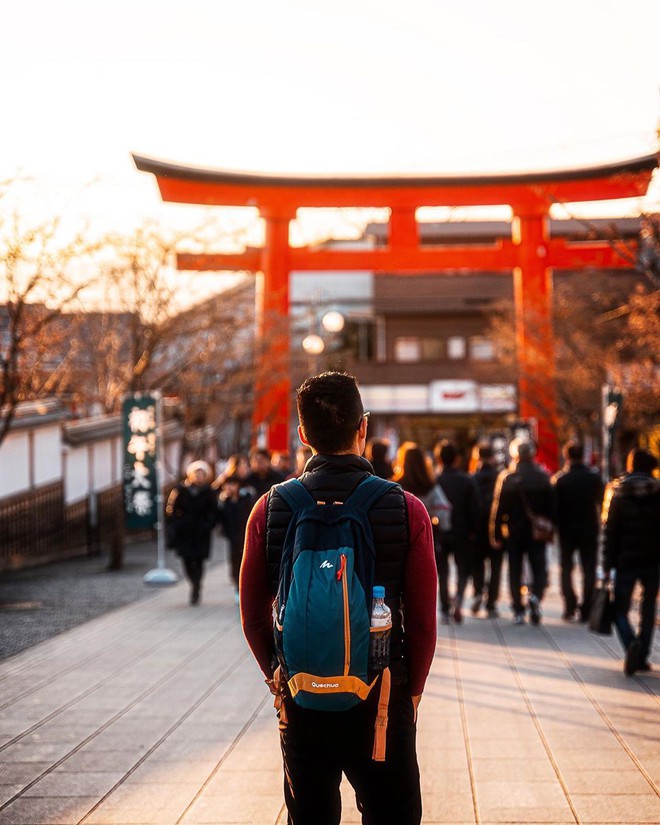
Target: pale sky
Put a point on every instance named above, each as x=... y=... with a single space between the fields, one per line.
x=300 y=86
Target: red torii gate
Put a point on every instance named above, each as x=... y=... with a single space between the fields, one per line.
x=530 y=253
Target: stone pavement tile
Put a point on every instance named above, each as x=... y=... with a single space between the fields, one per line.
x=104 y=815
x=8 y=792
x=605 y=808
x=499 y=767
x=40 y=811
x=21 y=773
x=249 y=758
x=492 y=795
x=447 y=807
x=152 y=796
x=268 y=781
x=443 y=758
x=593 y=741
x=35 y=752
x=613 y=782
x=74 y=784
x=517 y=729
x=530 y=747
x=98 y=761
x=644 y=746
x=49 y=733
x=109 y=741
x=570 y=760
x=438 y=780
x=652 y=767
x=173 y=772
x=527 y=816
x=235 y=808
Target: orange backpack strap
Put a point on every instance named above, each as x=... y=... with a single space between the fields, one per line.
x=276 y=686
x=380 y=728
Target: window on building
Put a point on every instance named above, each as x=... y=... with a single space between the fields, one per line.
x=456 y=347
x=481 y=348
x=407 y=349
x=433 y=349
x=413 y=349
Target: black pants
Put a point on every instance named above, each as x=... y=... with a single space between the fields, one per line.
x=462 y=549
x=535 y=551
x=483 y=552
x=626 y=578
x=318 y=746
x=587 y=547
x=194 y=568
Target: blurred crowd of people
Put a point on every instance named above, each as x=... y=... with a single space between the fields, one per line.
x=202 y=502
x=481 y=515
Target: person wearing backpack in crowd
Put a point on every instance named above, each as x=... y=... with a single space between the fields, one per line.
x=485 y=477
x=263 y=475
x=457 y=542
x=521 y=492
x=190 y=516
x=319 y=745
x=632 y=549
x=579 y=498
x=414 y=473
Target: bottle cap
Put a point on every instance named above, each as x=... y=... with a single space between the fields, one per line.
x=379 y=592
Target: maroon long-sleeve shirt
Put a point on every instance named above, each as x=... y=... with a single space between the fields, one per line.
x=419 y=593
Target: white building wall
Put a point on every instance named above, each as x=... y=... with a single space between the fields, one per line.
x=47 y=455
x=76 y=476
x=15 y=464
x=102 y=466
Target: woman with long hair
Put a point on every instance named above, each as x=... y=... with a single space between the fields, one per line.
x=414 y=472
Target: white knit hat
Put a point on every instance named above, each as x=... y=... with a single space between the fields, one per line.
x=194 y=467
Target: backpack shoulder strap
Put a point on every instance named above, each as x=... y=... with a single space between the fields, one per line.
x=295 y=494
x=368 y=491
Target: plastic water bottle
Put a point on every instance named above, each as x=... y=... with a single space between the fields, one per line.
x=381 y=628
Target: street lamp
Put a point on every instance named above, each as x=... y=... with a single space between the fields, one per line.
x=313 y=344
x=333 y=321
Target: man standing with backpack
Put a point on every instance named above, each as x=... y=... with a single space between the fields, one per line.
x=316 y=549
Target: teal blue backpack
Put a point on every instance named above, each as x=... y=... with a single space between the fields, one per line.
x=323 y=605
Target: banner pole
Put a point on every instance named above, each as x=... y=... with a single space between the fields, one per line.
x=161 y=574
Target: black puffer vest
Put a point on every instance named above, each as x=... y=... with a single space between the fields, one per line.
x=333 y=478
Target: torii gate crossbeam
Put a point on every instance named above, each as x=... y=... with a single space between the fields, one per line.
x=531 y=254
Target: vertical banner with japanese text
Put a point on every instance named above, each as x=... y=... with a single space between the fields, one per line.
x=139 y=423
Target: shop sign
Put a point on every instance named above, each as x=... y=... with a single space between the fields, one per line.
x=139 y=472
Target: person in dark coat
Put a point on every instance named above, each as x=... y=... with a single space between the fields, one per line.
x=632 y=549
x=520 y=491
x=485 y=477
x=579 y=499
x=190 y=517
x=458 y=542
x=263 y=475
x=377 y=453
x=234 y=507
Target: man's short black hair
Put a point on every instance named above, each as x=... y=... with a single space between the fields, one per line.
x=446 y=453
x=641 y=461
x=574 y=451
x=262 y=451
x=330 y=411
x=486 y=452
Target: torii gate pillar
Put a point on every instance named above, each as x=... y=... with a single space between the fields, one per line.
x=273 y=403
x=533 y=286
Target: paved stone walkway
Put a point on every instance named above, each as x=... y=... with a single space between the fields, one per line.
x=156 y=713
